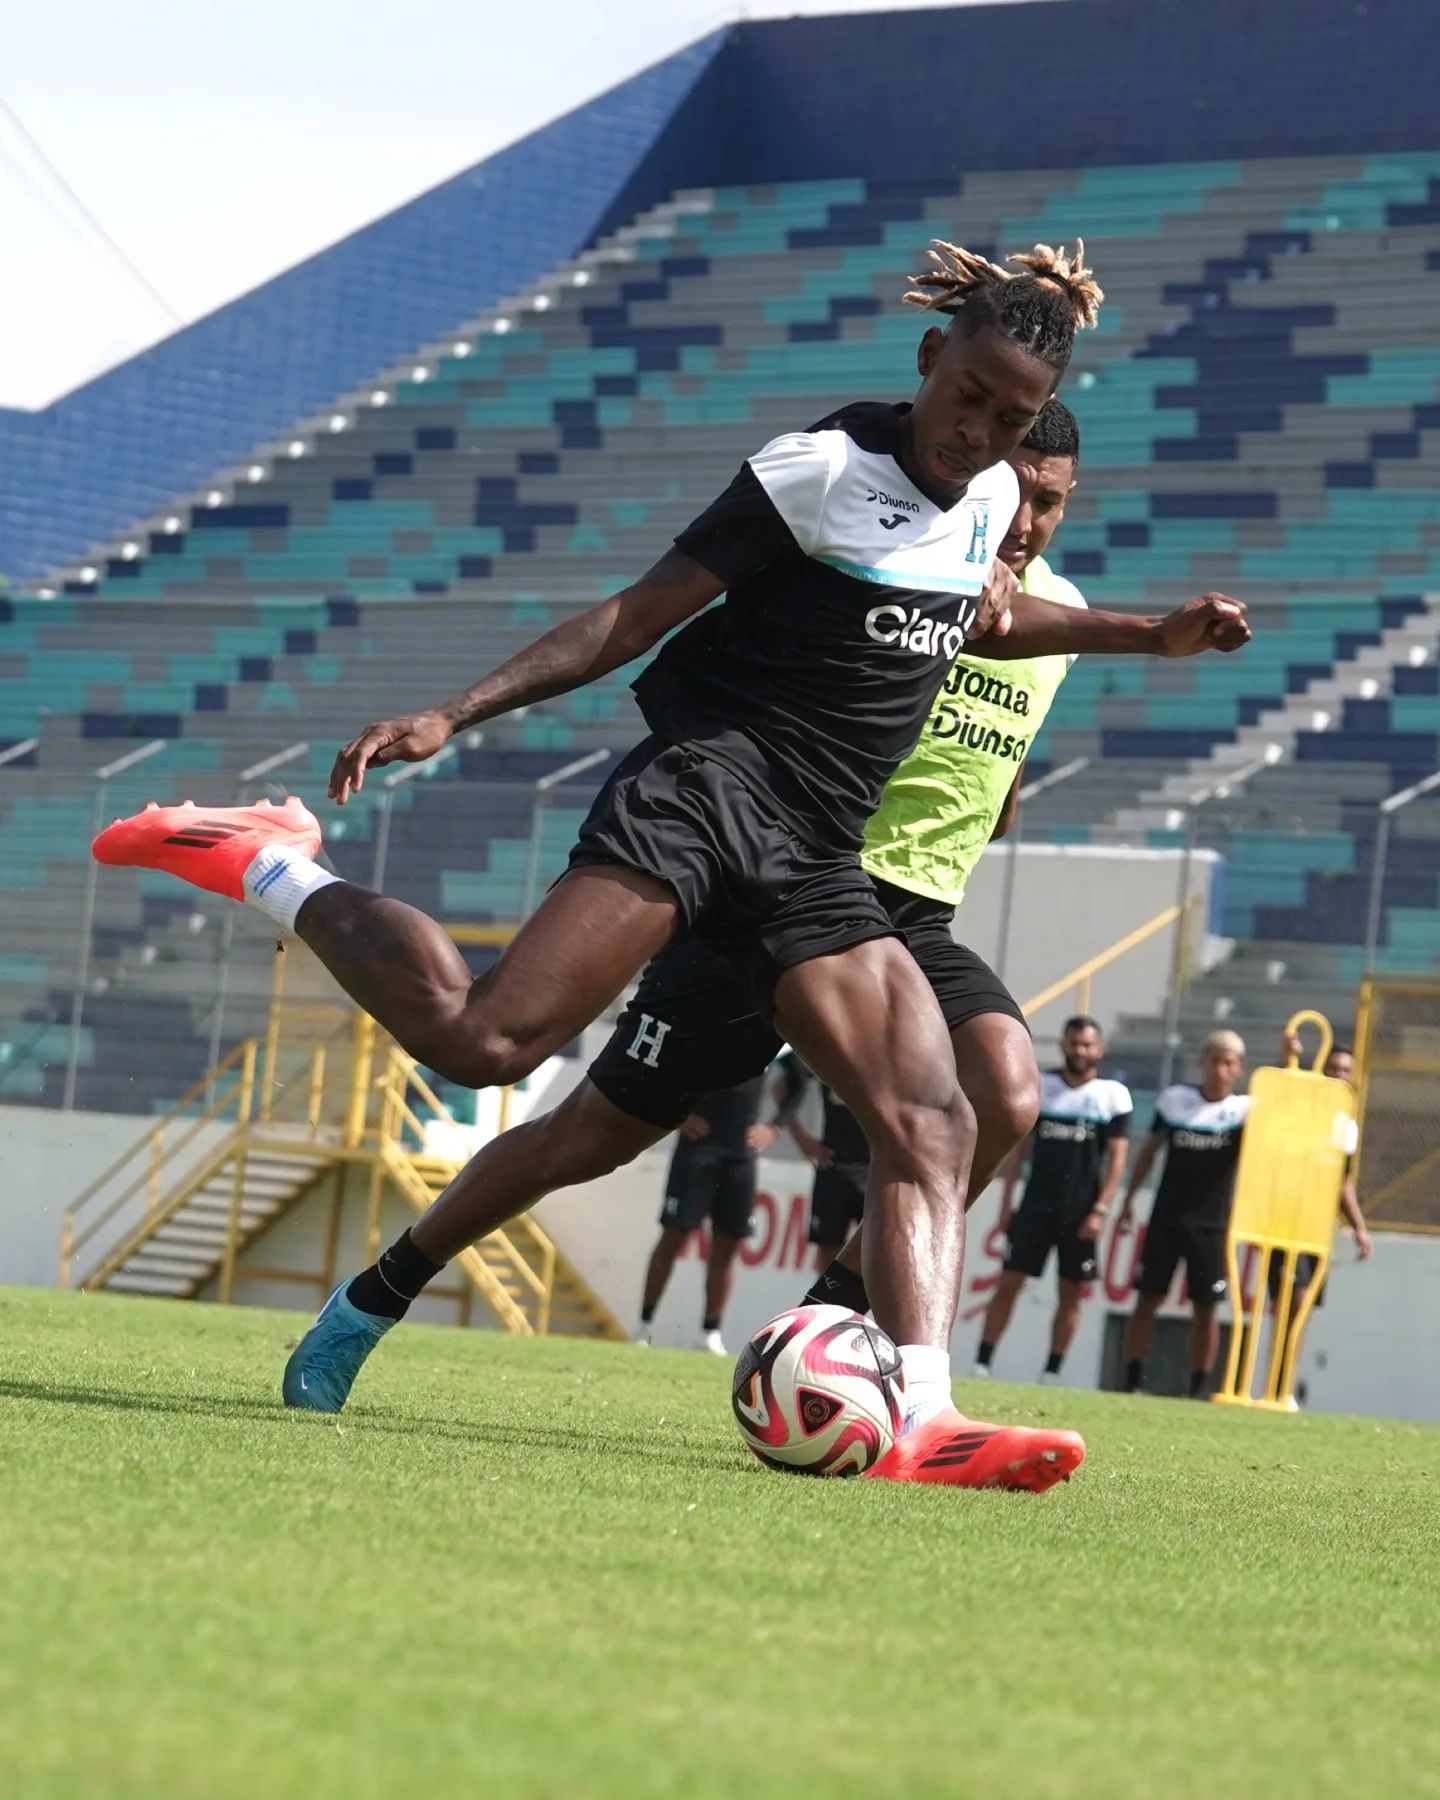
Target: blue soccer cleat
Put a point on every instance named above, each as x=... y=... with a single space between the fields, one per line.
x=323 y=1365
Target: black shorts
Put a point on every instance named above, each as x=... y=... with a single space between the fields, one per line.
x=1305 y=1267
x=837 y=1202
x=693 y=1025
x=740 y=875
x=1037 y=1230
x=1199 y=1243
x=709 y=1183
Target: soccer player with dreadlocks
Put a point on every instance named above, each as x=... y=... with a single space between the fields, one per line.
x=854 y=558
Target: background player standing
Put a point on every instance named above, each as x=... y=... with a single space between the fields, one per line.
x=841 y=1157
x=1199 y=1128
x=712 y=1176
x=1077 y=1162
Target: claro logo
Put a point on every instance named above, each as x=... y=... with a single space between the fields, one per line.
x=912 y=630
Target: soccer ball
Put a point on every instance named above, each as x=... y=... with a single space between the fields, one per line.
x=819 y=1391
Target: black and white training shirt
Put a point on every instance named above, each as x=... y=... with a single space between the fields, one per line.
x=1202 y=1153
x=1067 y=1152
x=850 y=593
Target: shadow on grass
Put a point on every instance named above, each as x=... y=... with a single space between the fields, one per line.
x=629 y=1444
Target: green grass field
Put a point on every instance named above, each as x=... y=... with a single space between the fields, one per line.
x=548 y=1568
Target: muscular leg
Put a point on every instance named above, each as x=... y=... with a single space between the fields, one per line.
x=995 y=1066
x=662 y=1260
x=1067 y=1317
x=588 y=937
x=1204 y=1344
x=582 y=1138
x=720 y=1273
x=1002 y=1304
x=1139 y=1335
x=867 y=1022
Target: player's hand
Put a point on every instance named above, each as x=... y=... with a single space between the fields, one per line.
x=412 y=739
x=1208 y=622
x=811 y=1148
x=759 y=1138
x=1290 y=1045
x=694 y=1128
x=1091 y=1225
x=1124 y=1222
x=1001 y=587
x=1364 y=1244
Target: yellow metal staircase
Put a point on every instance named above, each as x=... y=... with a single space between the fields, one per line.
x=319 y=1098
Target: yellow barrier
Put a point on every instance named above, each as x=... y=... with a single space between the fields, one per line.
x=1298 y=1137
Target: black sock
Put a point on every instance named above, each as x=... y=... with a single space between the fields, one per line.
x=711 y=1322
x=388 y=1286
x=838 y=1286
x=1053 y=1362
x=1134 y=1375
x=984 y=1353
x=647 y=1313
x=1199 y=1384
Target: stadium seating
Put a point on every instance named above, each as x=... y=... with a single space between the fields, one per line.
x=1260 y=412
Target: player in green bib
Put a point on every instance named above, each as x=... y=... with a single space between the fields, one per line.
x=693 y=1028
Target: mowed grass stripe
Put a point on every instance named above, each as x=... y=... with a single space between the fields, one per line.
x=548 y=1568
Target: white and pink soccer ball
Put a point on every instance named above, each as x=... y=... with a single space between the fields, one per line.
x=819 y=1391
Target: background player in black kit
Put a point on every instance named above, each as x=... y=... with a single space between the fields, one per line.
x=1198 y=1128
x=841 y=1157
x=712 y=1176
x=1077 y=1162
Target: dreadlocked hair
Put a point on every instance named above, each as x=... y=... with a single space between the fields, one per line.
x=1039 y=304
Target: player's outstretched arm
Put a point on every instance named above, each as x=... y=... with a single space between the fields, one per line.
x=1045 y=628
x=580 y=651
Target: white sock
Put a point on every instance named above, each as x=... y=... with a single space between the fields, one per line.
x=927 y=1382
x=280 y=880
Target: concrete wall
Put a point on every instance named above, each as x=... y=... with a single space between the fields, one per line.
x=1108 y=892
x=1372 y=1348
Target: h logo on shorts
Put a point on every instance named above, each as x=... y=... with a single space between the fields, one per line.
x=648 y=1041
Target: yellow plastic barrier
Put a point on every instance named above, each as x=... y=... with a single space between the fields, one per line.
x=1299 y=1134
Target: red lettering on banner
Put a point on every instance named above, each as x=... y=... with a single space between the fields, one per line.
x=756 y=1249
x=783 y=1244
x=981 y=1284
x=697 y=1244
x=793 y=1244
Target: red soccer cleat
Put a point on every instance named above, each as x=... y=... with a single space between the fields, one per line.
x=210 y=847
x=954 y=1451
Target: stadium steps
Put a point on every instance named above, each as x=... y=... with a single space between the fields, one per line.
x=180 y=1248
x=518 y=1271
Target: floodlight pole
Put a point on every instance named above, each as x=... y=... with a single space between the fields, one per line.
x=1012 y=859
x=1388 y=809
x=543 y=788
x=103 y=777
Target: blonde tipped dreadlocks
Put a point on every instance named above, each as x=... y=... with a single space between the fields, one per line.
x=1039 y=305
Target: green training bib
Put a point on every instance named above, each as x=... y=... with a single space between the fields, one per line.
x=940 y=806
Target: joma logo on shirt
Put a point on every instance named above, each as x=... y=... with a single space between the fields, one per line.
x=927 y=637
x=978 y=684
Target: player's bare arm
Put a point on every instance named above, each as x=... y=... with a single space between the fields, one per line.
x=1144 y=1162
x=1044 y=628
x=1014 y=1165
x=575 y=653
x=1116 y=1153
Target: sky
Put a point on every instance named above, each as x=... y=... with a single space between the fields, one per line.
x=217 y=146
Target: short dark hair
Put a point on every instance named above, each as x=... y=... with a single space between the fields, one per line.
x=1056 y=432
x=1081 y=1022
x=1340 y=1050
